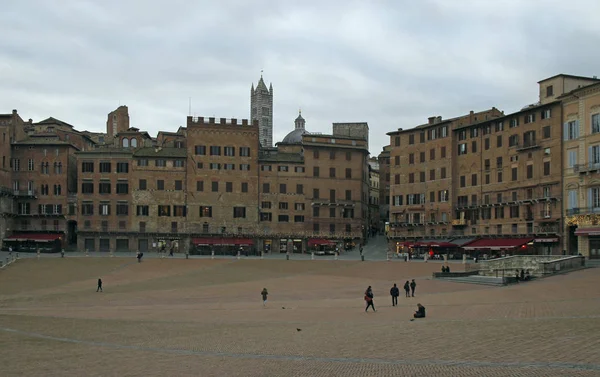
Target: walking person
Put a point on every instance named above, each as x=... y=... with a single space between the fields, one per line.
x=99 y=285
x=264 y=295
x=407 y=288
x=369 y=299
x=394 y=292
x=413 y=285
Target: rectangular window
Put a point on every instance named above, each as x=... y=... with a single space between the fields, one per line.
x=87 y=209
x=529 y=171
x=316 y=193
x=331 y=172
x=499 y=141
x=348 y=194
x=411 y=139
x=473 y=179
x=104 y=188
x=229 y=151
x=443 y=173
x=87 y=167
x=205 y=211
x=228 y=187
x=348 y=156
x=266 y=216
x=315 y=171
x=265 y=205
x=474 y=147
x=160 y=163
x=422 y=176
x=142 y=185
x=245 y=167
x=463 y=181
x=122 y=167
x=142 y=211
x=332 y=155
x=282 y=188
x=245 y=151
x=547 y=168
x=86 y=187
x=411 y=177
x=200 y=150
x=462 y=149
x=397 y=141
x=571 y=130
x=283 y=218
x=595 y=123
x=443 y=152
x=282 y=168
x=266 y=168
x=299 y=206
x=266 y=189
x=299 y=169
x=486 y=144
x=178 y=185
x=122 y=209
x=499 y=177
x=104 y=167
x=299 y=189
x=298 y=219
x=514 y=174
x=411 y=159
x=215 y=166
x=199 y=185
x=104 y=209
x=142 y=162
x=348 y=173
x=160 y=184
x=283 y=205
x=178 y=163
x=122 y=188
x=432 y=175
x=244 y=187
x=164 y=210
x=215 y=186
x=422 y=157
x=432 y=154
x=239 y=212
x=215 y=150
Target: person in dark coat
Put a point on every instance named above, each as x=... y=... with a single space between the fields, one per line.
x=407 y=288
x=369 y=299
x=420 y=313
x=99 y=289
x=413 y=286
x=264 y=293
x=394 y=292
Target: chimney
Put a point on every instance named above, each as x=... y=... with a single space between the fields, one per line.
x=244 y=122
x=211 y=120
x=431 y=120
x=14 y=112
x=223 y=121
x=438 y=119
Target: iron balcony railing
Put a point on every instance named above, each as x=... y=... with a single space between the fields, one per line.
x=582 y=211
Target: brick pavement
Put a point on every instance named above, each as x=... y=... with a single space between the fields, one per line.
x=204 y=317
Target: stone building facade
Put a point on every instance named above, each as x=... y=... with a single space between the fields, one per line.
x=384 y=185
x=581 y=162
x=261 y=110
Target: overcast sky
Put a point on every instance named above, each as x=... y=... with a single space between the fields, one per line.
x=389 y=63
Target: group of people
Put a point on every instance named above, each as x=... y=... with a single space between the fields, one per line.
x=445 y=269
x=523 y=275
x=409 y=290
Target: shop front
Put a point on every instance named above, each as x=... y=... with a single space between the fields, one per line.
x=222 y=246
x=32 y=242
x=588 y=241
x=321 y=246
x=546 y=245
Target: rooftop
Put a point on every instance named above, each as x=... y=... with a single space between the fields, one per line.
x=571 y=77
x=161 y=152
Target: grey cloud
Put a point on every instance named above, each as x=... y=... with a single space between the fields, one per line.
x=391 y=64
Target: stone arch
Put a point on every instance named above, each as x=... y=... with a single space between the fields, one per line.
x=133 y=142
x=125 y=142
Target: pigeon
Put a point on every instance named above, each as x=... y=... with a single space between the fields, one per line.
x=298 y=329
x=283 y=307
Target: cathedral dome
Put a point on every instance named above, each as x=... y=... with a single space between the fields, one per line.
x=294 y=137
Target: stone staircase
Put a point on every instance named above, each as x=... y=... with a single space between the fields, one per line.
x=592 y=263
x=481 y=280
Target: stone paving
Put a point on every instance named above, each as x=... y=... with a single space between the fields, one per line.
x=203 y=317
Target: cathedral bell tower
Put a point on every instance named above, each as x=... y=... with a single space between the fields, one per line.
x=261 y=109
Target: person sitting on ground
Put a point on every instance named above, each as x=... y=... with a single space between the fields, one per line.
x=447 y=268
x=527 y=276
x=443 y=269
x=420 y=313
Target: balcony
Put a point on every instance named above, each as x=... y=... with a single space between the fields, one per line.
x=547 y=229
x=583 y=211
x=527 y=145
x=25 y=193
x=545 y=214
x=586 y=168
x=459 y=222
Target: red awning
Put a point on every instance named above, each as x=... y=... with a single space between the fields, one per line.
x=442 y=244
x=320 y=241
x=497 y=243
x=587 y=232
x=222 y=241
x=34 y=237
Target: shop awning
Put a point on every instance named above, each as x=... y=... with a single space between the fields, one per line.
x=320 y=241
x=546 y=240
x=222 y=241
x=34 y=237
x=462 y=241
x=441 y=244
x=587 y=232
x=497 y=243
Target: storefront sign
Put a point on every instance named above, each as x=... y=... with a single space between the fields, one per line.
x=545 y=240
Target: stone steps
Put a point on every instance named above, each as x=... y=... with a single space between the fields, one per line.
x=477 y=279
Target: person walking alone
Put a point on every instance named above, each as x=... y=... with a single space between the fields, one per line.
x=413 y=285
x=99 y=289
x=369 y=299
x=264 y=295
x=394 y=292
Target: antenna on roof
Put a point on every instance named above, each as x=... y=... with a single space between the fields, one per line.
x=190 y=109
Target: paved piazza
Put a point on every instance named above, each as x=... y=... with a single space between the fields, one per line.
x=202 y=317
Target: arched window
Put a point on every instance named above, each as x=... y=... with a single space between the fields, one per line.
x=133 y=142
x=125 y=142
